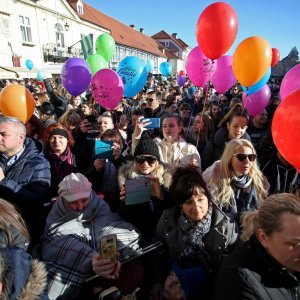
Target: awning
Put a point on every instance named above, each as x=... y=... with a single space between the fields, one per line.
x=20 y=73
x=54 y=69
x=7 y=74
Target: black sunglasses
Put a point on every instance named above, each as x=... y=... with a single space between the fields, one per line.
x=242 y=157
x=150 y=99
x=149 y=159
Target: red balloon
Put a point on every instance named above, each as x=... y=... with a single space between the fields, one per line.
x=275 y=57
x=181 y=73
x=216 y=29
x=286 y=129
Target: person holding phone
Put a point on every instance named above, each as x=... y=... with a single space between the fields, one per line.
x=173 y=149
x=146 y=164
x=70 y=244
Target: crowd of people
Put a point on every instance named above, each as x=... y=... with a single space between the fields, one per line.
x=180 y=167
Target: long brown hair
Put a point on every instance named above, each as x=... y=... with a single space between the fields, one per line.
x=10 y=217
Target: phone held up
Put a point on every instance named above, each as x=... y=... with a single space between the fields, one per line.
x=103 y=149
x=155 y=122
x=108 y=247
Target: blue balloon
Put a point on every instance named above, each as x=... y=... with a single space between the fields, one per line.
x=192 y=90
x=133 y=72
x=149 y=66
x=40 y=75
x=165 y=68
x=29 y=64
x=258 y=85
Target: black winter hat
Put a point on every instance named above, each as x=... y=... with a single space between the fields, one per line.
x=147 y=147
x=47 y=108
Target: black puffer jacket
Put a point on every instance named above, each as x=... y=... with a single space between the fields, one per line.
x=251 y=273
x=215 y=147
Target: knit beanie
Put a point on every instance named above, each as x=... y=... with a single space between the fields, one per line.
x=147 y=147
x=192 y=280
x=74 y=187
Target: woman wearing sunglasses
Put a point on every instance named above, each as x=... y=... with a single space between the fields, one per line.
x=236 y=181
x=173 y=149
x=146 y=164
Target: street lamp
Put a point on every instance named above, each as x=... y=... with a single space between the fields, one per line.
x=67 y=26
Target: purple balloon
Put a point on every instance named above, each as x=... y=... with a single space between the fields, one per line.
x=107 y=88
x=75 y=75
x=256 y=103
x=198 y=67
x=290 y=82
x=181 y=80
x=223 y=78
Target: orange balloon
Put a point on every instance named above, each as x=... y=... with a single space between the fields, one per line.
x=17 y=101
x=251 y=60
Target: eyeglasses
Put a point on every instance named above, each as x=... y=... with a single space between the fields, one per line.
x=242 y=157
x=149 y=159
x=150 y=99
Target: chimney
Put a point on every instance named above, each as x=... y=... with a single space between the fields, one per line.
x=174 y=35
x=132 y=26
x=141 y=30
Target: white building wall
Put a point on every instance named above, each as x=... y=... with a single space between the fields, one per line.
x=43 y=16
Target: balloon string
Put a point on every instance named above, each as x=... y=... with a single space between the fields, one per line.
x=201 y=114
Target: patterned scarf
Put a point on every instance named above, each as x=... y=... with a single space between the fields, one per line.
x=245 y=194
x=193 y=234
x=62 y=165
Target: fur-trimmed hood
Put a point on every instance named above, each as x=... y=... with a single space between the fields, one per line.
x=129 y=171
x=24 y=278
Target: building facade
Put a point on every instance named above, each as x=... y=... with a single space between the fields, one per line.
x=49 y=32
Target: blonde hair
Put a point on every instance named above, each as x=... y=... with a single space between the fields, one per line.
x=130 y=171
x=268 y=216
x=223 y=173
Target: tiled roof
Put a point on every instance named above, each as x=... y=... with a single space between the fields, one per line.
x=122 y=34
x=164 y=35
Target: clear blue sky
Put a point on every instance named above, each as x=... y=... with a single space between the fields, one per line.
x=277 y=21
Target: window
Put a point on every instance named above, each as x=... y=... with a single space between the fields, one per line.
x=80 y=8
x=60 y=39
x=25 y=29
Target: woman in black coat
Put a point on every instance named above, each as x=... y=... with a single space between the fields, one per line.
x=267 y=265
x=196 y=235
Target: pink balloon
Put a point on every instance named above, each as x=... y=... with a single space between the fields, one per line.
x=223 y=78
x=199 y=68
x=255 y=103
x=107 y=88
x=290 y=82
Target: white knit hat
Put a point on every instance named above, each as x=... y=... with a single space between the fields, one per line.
x=74 y=187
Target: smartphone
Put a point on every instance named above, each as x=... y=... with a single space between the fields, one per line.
x=103 y=149
x=155 y=122
x=108 y=247
x=138 y=191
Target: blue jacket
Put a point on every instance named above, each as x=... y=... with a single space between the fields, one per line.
x=27 y=181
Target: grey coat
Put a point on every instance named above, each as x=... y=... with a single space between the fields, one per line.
x=222 y=235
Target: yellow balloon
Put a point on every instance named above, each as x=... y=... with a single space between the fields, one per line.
x=17 y=101
x=251 y=60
